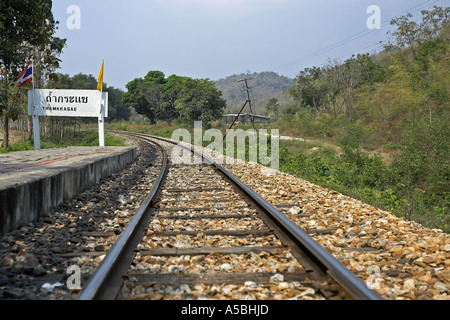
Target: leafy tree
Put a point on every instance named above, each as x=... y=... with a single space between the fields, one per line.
x=136 y=97
x=175 y=97
x=410 y=34
x=154 y=96
x=27 y=31
x=167 y=110
x=310 y=90
x=199 y=99
x=273 y=108
x=84 y=82
x=117 y=110
x=425 y=55
x=354 y=72
x=25 y=24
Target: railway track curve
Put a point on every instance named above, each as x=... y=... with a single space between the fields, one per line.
x=201 y=227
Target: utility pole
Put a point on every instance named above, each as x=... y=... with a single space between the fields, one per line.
x=247 y=88
x=249 y=101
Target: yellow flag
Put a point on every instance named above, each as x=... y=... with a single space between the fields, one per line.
x=100 y=77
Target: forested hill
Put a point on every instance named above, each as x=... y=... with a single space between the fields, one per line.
x=266 y=85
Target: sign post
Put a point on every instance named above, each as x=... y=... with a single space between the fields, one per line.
x=34 y=115
x=101 y=120
x=67 y=103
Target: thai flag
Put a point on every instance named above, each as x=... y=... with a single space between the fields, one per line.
x=26 y=76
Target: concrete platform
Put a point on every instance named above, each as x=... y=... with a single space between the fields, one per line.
x=33 y=182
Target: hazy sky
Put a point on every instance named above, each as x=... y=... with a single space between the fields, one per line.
x=217 y=38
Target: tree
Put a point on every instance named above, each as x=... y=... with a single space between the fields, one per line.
x=331 y=76
x=200 y=100
x=27 y=31
x=310 y=90
x=425 y=55
x=273 y=108
x=154 y=96
x=409 y=34
x=117 y=110
x=351 y=75
x=175 y=97
x=135 y=98
x=167 y=110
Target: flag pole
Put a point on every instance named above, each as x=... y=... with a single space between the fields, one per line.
x=101 y=117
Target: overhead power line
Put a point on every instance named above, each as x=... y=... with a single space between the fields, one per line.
x=355 y=36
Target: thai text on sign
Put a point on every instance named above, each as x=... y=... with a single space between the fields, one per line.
x=67 y=103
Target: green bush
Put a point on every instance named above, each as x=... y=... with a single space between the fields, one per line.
x=18 y=146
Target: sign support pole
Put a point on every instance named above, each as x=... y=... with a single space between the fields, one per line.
x=101 y=123
x=36 y=133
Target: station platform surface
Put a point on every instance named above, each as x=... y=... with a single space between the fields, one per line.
x=33 y=182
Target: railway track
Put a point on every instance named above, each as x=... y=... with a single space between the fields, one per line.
x=202 y=233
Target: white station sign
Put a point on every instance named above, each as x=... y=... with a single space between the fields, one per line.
x=67 y=103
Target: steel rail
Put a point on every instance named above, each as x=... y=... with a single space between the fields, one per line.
x=325 y=260
x=97 y=286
